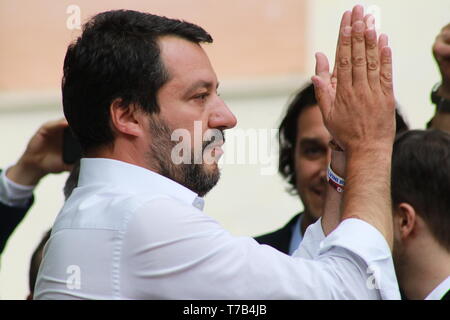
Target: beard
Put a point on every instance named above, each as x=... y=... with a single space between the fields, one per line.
x=195 y=176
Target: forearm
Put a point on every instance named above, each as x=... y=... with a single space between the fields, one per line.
x=367 y=194
x=25 y=173
x=333 y=199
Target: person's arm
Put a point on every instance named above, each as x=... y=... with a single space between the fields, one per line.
x=333 y=199
x=358 y=107
x=43 y=155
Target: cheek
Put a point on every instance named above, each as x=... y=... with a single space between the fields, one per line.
x=304 y=172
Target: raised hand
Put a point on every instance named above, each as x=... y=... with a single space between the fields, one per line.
x=441 y=52
x=358 y=107
x=357 y=100
x=43 y=155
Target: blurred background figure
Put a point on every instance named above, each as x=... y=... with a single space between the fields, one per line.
x=440 y=94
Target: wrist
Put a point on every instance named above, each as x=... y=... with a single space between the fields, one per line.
x=25 y=174
x=338 y=162
x=371 y=150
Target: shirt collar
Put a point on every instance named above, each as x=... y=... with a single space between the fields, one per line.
x=439 y=292
x=133 y=178
x=297 y=235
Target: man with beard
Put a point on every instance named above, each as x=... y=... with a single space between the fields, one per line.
x=134 y=227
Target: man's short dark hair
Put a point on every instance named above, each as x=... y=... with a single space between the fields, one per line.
x=289 y=127
x=421 y=178
x=117 y=57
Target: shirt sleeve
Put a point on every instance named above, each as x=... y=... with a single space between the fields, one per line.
x=310 y=245
x=371 y=248
x=14 y=194
x=172 y=250
x=13 y=208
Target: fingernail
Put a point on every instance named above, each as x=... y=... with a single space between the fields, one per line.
x=371 y=22
x=359 y=26
x=347 y=31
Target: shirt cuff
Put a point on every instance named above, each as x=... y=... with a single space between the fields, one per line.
x=364 y=240
x=12 y=193
x=311 y=242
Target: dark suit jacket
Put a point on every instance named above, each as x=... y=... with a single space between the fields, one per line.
x=10 y=217
x=280 y=239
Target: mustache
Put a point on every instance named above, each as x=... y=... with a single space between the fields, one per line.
x=214 y=139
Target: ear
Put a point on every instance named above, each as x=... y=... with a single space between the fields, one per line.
x=405 y=220
x=126 y=119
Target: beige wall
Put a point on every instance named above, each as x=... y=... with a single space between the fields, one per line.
x=252 y=37
x=279 y=40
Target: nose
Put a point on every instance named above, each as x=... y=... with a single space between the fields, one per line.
x=221 y=116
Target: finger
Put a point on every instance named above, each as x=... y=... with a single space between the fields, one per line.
x=386 y=71
x=344 y=56
x=372 y=57
x=357 y=13
x=322 y=65
x=321 y=83
x=382 y=42
x=359 y=62
x=345 y=22
x=369 y=20
x=322 y=96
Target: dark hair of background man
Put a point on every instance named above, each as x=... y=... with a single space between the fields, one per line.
x=421 y=177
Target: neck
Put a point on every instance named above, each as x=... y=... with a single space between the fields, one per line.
x=307 y=220
x=123 y=152
x=425 y=270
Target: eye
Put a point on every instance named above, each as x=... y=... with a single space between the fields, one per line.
x=202 y=96
x=313 y=152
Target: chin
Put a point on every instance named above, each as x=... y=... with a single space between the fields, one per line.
x=211 y=168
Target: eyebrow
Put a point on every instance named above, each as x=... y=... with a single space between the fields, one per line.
x=308 y=141
x=199 y=84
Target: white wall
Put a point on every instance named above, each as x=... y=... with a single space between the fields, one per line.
x=411 y=26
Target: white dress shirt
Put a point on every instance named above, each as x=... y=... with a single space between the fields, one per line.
x=439 y=292
x=129 y=233
x=14 y=194
x=297 y=235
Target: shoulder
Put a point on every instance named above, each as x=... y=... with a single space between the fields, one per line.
x=280 y=238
